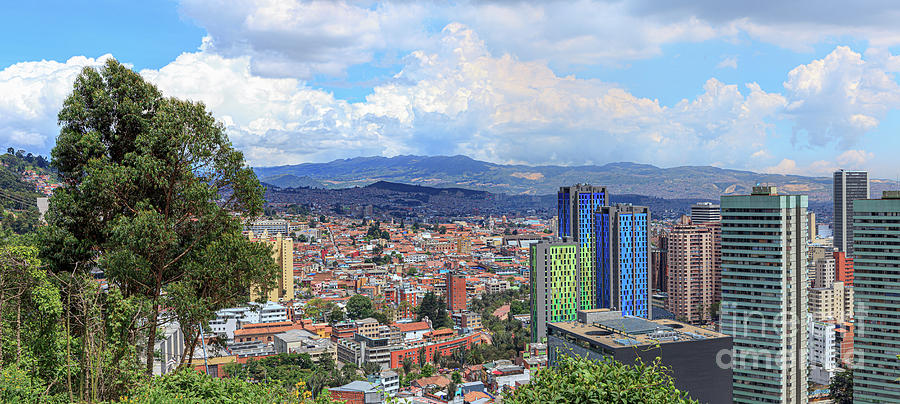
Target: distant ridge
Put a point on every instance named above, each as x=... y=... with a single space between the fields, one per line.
x=400 y=200
x=291 y=181
x=394 y=186
x=685 y=182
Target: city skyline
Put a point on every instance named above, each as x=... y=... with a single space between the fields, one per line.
x=768 y=89
x=369 y=201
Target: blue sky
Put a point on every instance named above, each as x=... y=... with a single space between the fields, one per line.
x=767 y=88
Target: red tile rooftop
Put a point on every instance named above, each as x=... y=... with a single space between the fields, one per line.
x=410 y=327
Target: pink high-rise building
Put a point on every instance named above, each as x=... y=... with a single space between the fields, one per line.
x=695 y=270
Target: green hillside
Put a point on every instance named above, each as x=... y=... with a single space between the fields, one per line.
x=17 y=197
x=688 y=182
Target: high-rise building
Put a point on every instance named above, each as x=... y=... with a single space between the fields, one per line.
x=704 y=212
x=283 y=254
x=825 y=275
x=843 y=268
x=272 y=227
x=833 y=303
x=764 y=290
x=695 y=271
x=823 y=352
x=848 y=187
x=575 y=207
x=876 y=273
x=812 y=226
x=554 y=284
x=660 y=263
x=844 y=340
x=456 y=292
x=623 y=259
x=816 y=252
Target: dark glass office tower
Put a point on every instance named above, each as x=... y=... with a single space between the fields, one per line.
x=848 y=187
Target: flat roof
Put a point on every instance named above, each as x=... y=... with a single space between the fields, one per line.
x=635 y=331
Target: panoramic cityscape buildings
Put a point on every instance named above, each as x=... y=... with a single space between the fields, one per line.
x=463 y=202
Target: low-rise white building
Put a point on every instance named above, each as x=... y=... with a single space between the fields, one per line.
x=231 y=319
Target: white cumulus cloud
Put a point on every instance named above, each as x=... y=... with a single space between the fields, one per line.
x=31 y=94
x=840 y=97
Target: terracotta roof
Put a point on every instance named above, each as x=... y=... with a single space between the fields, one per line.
x=410 y=327
x=502 y=312
x=437 y=380
x=474 y=395
x=266 y=330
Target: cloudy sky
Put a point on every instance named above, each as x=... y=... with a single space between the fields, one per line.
x=780 y=86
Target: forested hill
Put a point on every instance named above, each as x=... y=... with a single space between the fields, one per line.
x=18 y=197
x=688 y=182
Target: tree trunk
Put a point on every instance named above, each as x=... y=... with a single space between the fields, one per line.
x=2 y=296
x=68 y=343
x=151 y=334
x=19 y=329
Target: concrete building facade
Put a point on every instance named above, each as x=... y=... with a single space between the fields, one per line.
x=456 y=292
x=876 y=284
x=283 y=254
x=848 y=187
x=833 y=303
x=764 y=287
x=823 y=352
x=695 y=271
x=705 y=212
x=691 y=352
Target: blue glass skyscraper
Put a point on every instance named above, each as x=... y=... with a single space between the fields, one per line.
x=623 y=259
x=575 y=207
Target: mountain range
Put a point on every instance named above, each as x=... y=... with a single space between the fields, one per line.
x=691 y=182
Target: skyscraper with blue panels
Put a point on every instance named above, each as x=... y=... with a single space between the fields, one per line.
x=575 y=208
x=623 y=259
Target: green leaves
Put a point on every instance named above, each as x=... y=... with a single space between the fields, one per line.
x=841 y=388
x=153 y=191
x=580 y=380
x=359 y=306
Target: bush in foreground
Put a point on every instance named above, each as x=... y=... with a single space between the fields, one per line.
x=189 y=386
x=580 y=380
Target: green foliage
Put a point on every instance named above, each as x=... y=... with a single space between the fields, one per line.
x=370 y=368
x=151 y=187
x=18 y=199
x=288 y=369
x=841 y=388
x=381 y=317
x=580 y=380
x=336 y=315
x=359 y=306
x=407 y=365
x=317 y=309
x=30 y=307
x=427 y=370
x=422 y=357
x=18 y=386
x=507 y=336
x=379 y=259
x=375 y=232
x=297 y=209
x=435 y=309
x=188 y=386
